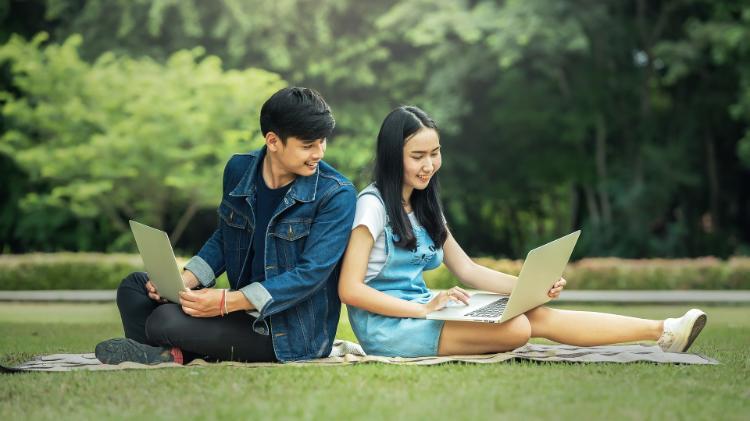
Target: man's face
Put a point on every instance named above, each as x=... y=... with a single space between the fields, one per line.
x=300 y=157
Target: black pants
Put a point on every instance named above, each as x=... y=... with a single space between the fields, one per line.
x=228 y=338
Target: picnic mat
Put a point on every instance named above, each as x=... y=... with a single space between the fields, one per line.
x=345 y=353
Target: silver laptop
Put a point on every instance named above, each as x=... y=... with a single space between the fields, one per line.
x=158 y=258
x=542 y=268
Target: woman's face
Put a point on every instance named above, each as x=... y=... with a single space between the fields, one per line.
x=421 y=158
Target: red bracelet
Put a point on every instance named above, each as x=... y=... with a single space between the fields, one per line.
x=226 y=302
x=221 y=303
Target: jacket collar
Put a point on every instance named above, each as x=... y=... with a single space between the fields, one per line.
x=303 y=189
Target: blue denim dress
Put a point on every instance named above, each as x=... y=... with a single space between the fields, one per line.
x=401 y=277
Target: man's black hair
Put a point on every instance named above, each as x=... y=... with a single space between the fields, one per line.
x=297 y=112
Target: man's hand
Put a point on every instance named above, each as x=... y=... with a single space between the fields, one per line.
x=202 y=303
x=557 y=288
x=153 y=293
x=189 y=279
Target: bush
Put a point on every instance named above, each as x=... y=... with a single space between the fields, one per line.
x=120 y=138
x=615 y=274
x=70 y=270
x=104 y=271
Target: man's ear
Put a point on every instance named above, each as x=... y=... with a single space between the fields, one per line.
x=273 y=142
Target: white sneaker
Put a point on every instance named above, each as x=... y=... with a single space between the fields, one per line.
x=680 y=333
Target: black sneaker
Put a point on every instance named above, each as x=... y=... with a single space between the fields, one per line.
x=117 y=350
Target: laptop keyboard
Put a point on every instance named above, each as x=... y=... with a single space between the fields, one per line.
x=493 y=309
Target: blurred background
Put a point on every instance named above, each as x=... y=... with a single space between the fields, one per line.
x=627 y=119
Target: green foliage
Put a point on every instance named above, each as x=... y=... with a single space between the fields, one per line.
x=39 y=271
x=627 y=120
x=125 y=138
x=718 y=39
x=105 y=271
x=66 y=271
x=624 y=274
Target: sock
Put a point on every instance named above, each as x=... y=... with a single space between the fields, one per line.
x=177 y=355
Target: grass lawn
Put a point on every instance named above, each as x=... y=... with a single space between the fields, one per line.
x=509 y=390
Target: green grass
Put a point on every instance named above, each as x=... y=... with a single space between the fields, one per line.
x=510 y=390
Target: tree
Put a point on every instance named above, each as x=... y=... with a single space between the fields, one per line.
x=629 y=119
x=126 y=138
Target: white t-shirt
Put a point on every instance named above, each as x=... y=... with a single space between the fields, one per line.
x=371 y=213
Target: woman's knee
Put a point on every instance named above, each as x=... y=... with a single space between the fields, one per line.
x=537 y=315
x=516 y=332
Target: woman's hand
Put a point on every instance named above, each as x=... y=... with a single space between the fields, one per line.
x=557 y=288
x=442 y=298
x=202 y=303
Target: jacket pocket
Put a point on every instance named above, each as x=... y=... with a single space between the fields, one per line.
x=292 y=230
x=290 y=235
x=236 y=234
x=231 y=217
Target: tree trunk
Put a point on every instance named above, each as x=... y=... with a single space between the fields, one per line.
x=601 y=168
x=592 y=205
x=183 y=222
x=713 y=181
x=575 y=204
x=114 y=218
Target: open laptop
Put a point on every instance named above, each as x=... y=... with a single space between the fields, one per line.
x=158 y=258
x=542 y=268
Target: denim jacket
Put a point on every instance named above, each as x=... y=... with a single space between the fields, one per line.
x=298 y=301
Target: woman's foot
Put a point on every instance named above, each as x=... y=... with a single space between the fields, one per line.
x=680 y=333
x=118 y=350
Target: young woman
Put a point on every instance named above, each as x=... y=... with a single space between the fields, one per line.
x=399 y=231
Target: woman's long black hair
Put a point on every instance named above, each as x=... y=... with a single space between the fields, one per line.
x=398 y=126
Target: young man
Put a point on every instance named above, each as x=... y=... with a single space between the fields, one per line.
x=284 y=224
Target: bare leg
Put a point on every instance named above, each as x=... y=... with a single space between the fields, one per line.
x=585 y=328
x=481 y=338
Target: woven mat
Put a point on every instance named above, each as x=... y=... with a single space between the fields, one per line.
x=345 y=353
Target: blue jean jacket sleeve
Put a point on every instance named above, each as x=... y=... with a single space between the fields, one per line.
x=208 y=264
x=329 y=235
